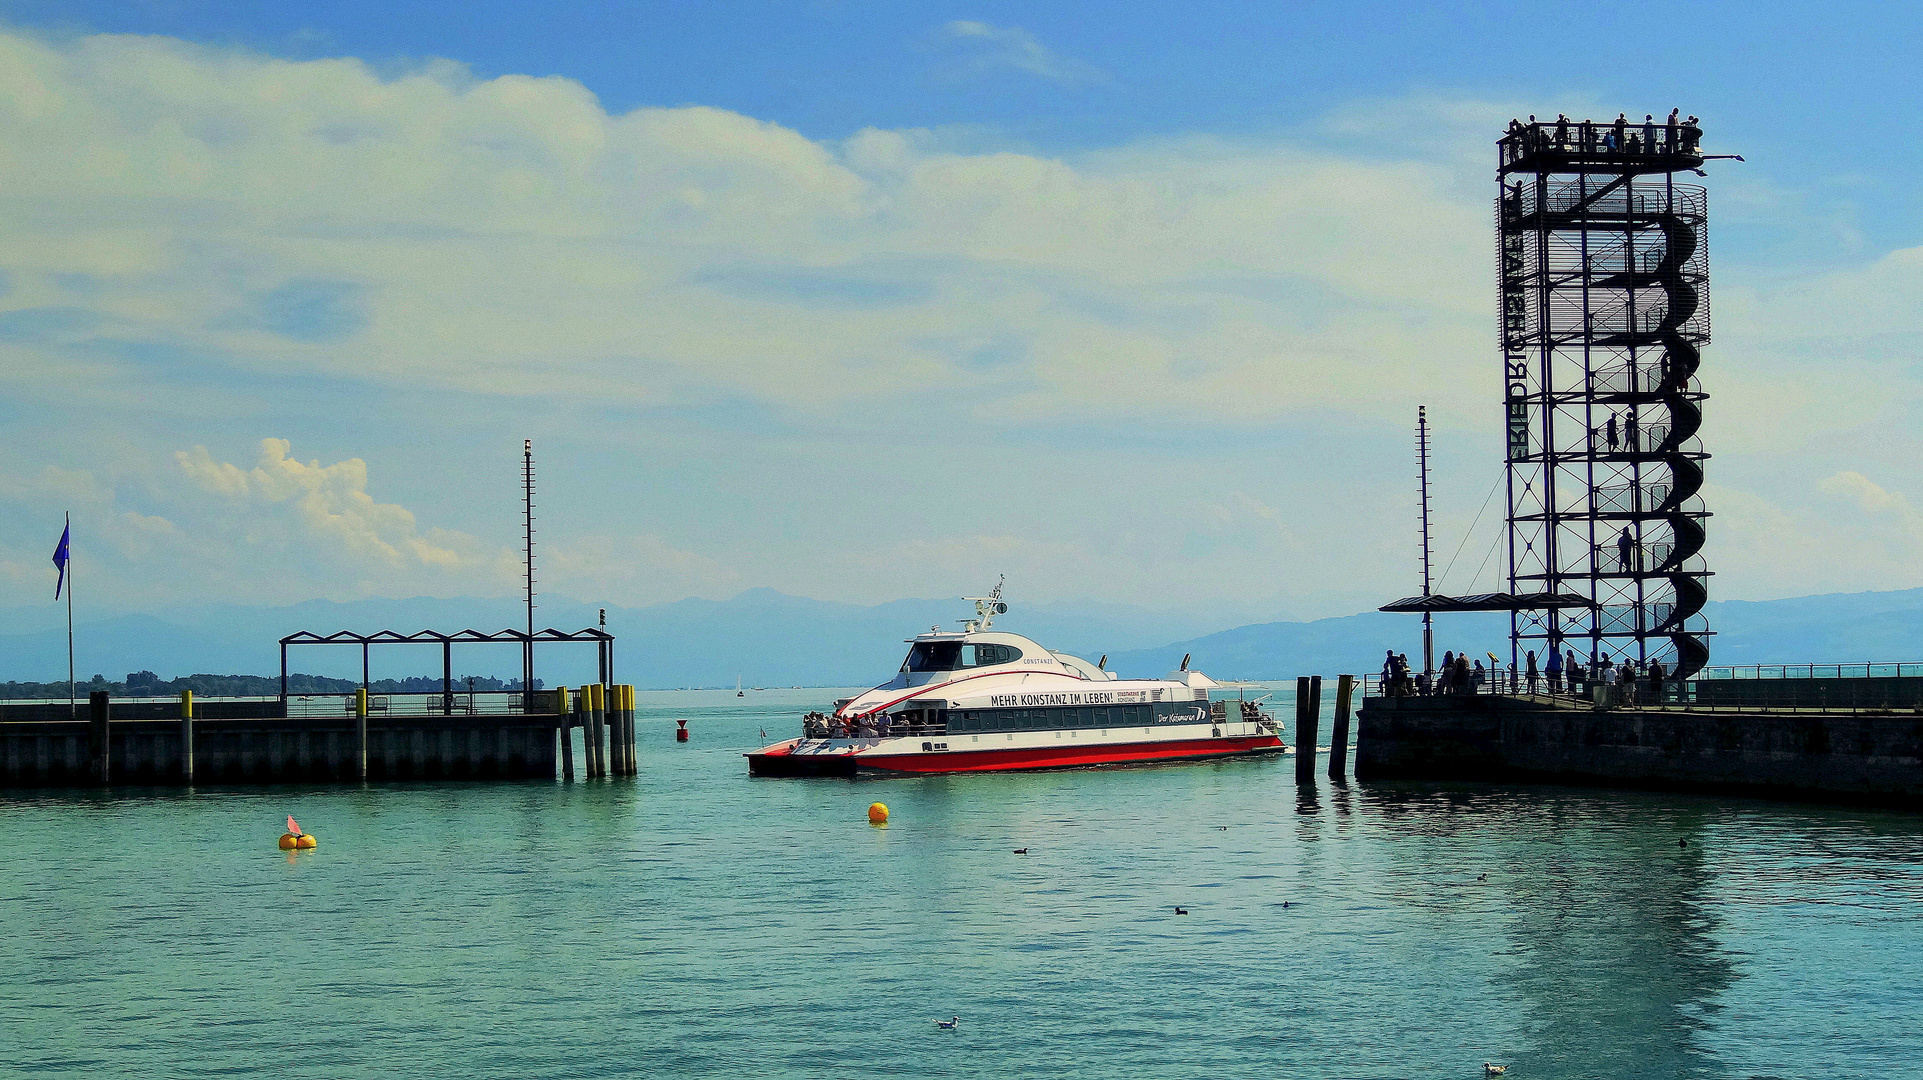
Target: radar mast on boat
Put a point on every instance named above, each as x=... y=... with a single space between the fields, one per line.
x=986 y=608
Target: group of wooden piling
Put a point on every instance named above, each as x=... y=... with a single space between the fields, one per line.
x=605 y=715
x=1308 y=715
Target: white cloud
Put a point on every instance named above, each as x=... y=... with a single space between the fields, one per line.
x=331 y=504
x=1867 y=494
x=986 y=48
x=508 y=244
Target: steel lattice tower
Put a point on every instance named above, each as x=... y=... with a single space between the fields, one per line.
x=1605 y=309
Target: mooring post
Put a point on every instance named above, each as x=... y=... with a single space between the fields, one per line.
x=187 y=736
x=629 y=764
x=1308 y=710
x=600 y=714
x=566 y=732
x=1339 y=737
x=586 y=710
x=100 y=728
x=634 y=750
x=360 y=734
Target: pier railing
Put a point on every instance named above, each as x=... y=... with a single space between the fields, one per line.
x=1865 y=687
x=428 y=703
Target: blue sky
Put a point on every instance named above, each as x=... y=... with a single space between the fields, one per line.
x=1131 y=302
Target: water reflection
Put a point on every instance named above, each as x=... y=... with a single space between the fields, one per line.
x=1613 y=958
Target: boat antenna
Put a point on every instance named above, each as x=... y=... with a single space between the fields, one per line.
x=986 y=608
x=1185 y=661
x=1102 y=664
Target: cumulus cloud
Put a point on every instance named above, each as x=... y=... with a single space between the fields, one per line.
x=986 y=48
x=509 y=241
x=511 y=237
x=1867 y=494
x=332 y=504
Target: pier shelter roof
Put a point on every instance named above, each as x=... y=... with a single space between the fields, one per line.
x=1499 y=601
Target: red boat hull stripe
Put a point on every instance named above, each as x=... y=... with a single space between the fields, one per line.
x=1061 y=757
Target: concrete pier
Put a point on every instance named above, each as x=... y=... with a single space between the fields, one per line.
x=275 y=750
x=1855 y=757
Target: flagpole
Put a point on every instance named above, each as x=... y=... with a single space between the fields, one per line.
x=73 y=710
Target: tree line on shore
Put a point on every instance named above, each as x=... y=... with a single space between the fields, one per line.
x=147 y=684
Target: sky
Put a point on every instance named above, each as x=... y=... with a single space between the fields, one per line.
x=1130 y=302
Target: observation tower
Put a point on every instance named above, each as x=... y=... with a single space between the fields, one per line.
x=1605 y=310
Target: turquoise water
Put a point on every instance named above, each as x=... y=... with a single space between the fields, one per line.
x=694 y=922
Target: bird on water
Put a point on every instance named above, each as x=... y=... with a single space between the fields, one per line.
x=948 y=1024
x=1021 y=851
x=1181 y=911
x=1490 y=1069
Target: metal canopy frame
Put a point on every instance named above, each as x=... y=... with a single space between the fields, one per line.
x=604 y=649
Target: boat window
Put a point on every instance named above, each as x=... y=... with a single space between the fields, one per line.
x=933 y=656
x=986 y=655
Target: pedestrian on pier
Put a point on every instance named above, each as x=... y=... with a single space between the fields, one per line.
x=1656 y=682
x=1532 y=670
x=1554 y=670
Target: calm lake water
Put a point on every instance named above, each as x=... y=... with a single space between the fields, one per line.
x=694 y=922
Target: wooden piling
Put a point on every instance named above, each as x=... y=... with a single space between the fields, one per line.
x=627 y=718
x=360 y=734
x=100 y=735
x=187 y=736
x=566 y=732
x=1339 y=738
x=1308 y=713
x=598 y=714
x=618 y=728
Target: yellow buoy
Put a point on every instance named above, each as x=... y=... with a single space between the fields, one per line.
x=288 y=840
x=305 y=841
x=877 y=813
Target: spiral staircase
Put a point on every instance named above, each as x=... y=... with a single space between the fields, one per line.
x=1605 y=280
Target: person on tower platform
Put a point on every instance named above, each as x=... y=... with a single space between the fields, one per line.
x=1625 y=552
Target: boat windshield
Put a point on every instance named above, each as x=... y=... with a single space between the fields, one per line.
x=955 y=655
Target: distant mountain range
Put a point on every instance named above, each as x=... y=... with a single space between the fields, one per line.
x=767 y=638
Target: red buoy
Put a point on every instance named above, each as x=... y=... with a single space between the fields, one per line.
x=681 y=731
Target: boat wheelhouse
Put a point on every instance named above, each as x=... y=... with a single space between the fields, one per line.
x=983 y=700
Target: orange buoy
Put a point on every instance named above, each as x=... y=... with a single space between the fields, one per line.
x=288 y=840
x=877 y=813
x=304 y=841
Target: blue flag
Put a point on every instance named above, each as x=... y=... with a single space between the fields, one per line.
x=60 y=560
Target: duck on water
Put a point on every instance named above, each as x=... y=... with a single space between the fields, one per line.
x=981 y=700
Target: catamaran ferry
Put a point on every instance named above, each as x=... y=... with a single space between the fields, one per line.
x=980 y=700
